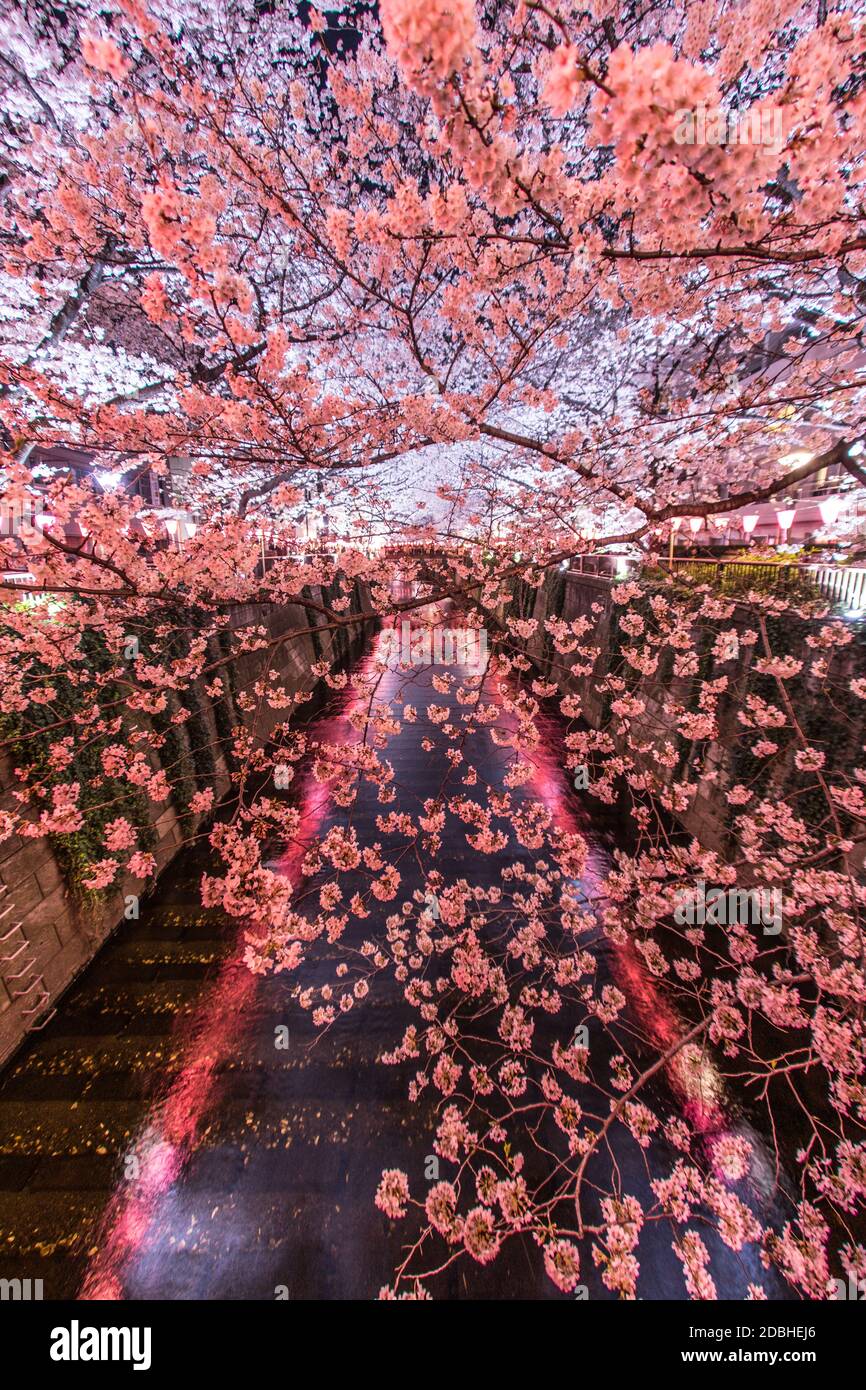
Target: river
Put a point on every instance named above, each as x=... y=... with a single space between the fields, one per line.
x=157 y=1142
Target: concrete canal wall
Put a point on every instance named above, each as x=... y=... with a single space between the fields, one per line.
x=719 y=763
x=52 y=931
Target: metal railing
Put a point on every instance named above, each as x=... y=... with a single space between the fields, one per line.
x=841 y=585
x=603 y=566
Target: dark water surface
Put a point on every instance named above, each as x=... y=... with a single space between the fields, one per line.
x=155 y=1143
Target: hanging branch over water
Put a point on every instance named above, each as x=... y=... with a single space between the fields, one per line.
x=457 y=275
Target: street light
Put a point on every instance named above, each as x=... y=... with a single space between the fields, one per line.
x=108 y=478
x=748 y=524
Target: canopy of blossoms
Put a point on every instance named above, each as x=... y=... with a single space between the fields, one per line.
x=461 y=269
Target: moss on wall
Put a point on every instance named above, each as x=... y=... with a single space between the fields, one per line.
x=101 y=799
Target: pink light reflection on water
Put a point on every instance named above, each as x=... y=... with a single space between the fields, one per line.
x=170 y=1133
x=691 y=1075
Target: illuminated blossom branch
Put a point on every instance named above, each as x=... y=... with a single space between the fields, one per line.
x=466 y=246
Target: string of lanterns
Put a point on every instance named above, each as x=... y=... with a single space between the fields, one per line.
x=830 y=509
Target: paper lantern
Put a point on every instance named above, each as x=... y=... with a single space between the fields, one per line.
x=831 y=509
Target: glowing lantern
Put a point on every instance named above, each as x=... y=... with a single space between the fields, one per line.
x=831 y=509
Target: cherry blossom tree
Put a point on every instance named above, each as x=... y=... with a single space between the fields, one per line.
x=467 y=256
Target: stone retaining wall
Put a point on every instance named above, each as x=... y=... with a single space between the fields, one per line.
x=708 y=816
x=59 y=934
